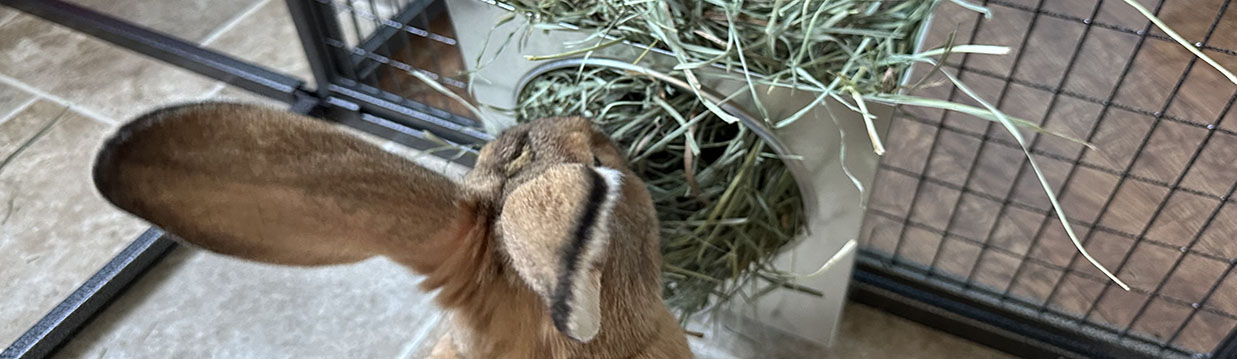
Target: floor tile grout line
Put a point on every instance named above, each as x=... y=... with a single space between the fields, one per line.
x=219 y=86
x=422 y=336
x=5 y=79
x=222 y=30
x=46 y=128
x=7 y=19
x=19 y=109
x=231 y=23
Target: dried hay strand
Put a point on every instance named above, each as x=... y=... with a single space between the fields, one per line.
x=725 y=203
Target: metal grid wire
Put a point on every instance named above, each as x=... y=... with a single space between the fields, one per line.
x=361 y=18
x=390 y=39
x=957 y=205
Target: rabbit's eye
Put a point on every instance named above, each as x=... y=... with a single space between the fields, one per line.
x=596 y=161
x=514 y=166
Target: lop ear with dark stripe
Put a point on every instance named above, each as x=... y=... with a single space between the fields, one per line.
x=555 y=230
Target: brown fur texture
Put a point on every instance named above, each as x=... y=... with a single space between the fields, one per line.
x=275 y=187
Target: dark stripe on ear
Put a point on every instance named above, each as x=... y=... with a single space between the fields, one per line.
x=560 y=309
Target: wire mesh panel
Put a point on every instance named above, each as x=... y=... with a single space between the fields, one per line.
x=394 y=38
x=387 y=41
x=956 y=203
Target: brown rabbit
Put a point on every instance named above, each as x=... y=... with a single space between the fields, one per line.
x=548 y=249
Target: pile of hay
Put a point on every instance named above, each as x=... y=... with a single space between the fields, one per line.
x=841 y=43
x=724 y=209
x=727 y=205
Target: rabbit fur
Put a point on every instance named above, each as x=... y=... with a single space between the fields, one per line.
x=548 y=248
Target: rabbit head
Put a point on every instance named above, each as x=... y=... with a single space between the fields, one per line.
x=547 y=248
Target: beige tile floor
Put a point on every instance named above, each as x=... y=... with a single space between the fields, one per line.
x=62 y=92
x=54 y=231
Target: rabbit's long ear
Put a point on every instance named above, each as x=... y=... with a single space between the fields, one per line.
x=556 y=229
x=271 y=186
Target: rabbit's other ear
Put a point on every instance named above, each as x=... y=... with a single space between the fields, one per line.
x=555 y=230
x=272 y=186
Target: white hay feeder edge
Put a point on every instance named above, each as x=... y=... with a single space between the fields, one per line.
x=835 y=223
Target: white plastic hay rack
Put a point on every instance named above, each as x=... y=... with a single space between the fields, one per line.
x=824 y=256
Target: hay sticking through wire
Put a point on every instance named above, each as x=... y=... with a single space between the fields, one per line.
x=724 y=209
x=727 y=206
x=853 y=51
x=839 y=46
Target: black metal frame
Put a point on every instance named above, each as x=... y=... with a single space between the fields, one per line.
x=380 y=42
x=175 y=51
x=346 y=102
x=345 y=94
x=1076 y=326
x=907 y=294
x=340 y=81
x=59 y=325
x=909 y=298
